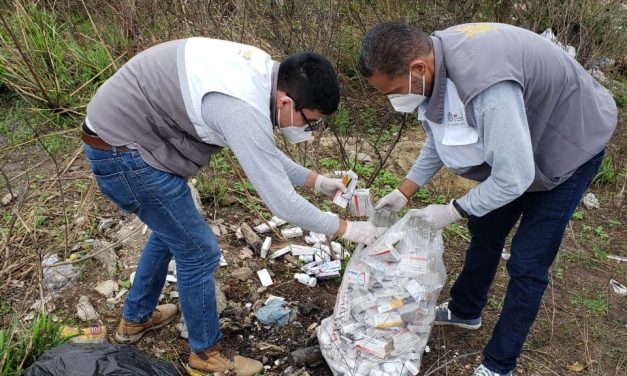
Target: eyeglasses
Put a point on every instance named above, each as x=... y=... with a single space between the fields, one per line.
x=311 y=125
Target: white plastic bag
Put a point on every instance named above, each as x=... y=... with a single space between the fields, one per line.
x=385 y=306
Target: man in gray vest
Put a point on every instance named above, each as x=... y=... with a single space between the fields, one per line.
x=158 y=120
x=509 y=109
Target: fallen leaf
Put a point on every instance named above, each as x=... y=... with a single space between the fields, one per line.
x=577 y=366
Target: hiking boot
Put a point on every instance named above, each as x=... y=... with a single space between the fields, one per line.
x=129 y=332
x=216 y=360
x=483 y=371
x=444 y=316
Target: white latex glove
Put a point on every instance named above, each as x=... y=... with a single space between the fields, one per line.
x=439 y=216
x=328 y=186
x=393 y=201
x=361 y=232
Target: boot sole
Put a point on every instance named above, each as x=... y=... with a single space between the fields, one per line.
x=459 y=325
x=136 y=337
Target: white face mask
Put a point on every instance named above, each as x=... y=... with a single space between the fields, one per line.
x=408 y=102
x=294 y=134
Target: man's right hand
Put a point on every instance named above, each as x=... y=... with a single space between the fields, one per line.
x=393 y=201
x=361 y=232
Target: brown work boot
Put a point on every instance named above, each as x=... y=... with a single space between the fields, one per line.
x=215 y=360
x=129 y=332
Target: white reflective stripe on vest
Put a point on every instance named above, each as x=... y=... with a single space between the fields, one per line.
x=234 y=69
x=457 y=143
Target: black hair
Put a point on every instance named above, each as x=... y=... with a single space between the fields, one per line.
x=311 y=82
x=388 y=48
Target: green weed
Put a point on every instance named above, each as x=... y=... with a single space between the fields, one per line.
x=595 y=304
x=19 y=348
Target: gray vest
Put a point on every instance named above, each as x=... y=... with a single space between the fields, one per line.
x=142 y=103
x=571 y=116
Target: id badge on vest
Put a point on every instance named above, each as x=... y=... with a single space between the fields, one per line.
x=457 y=143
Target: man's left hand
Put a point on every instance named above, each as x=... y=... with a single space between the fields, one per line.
x=439 y=216
x=328 y=186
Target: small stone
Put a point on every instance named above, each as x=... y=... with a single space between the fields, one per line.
x=105 y=254
x=105 y=224
x=85 y=310
x=245 y=253
x=243 y=274
x=590 y=201
x=106 y=288
x=6 y=199
x=172 y=267
x=174 y=294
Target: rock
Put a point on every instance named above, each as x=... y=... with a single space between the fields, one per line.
x=172 y=267
x=85 y=310
x=105 y=254
x=590 y=201
x=251 y=237
x=182 y=328
x=106 y=288
x=60 y=277
x=117 y=298
x=174 y=294
x=6 y=199
x=196 y=198
x=405 y=153
x=245 y=253
x=243 y=274
x=358 y=156
x=105 y=224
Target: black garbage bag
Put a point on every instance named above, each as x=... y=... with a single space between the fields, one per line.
x=101 y=359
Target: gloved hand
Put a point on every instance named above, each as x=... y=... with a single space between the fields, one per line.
x=393 y=201
x=439 y=216
x=361 y=232
x=328 y=186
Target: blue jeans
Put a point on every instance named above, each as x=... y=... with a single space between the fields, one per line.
x=543 y=220
x=163 y=202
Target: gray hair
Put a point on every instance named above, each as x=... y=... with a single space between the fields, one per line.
x=388 y=48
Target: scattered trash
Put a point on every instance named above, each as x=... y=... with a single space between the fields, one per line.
x=265 y=247
x=273 y=223
x=270 y=349
x=618 y=287
x=251 y=238
x=276 y=311
x=618 y=259
x=243 y=274
x=170 y=278
x=60 y=277
x=85 y=310
x=174 y=294
x=264 y=277
x=590 y=201
x=223 y=261
x=292 y=232
x=306 y=279
x=360 y=204
x=570 y=50
x=96 y=333
x=385 y=306
x=280 y=252
x=98 y=359
x=505 y=255
x=306 y=357
x=106 y=288
x=182 y=328
x=349 y=178
x=131 y=278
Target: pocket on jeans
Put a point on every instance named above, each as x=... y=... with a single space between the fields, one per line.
x=116 y=188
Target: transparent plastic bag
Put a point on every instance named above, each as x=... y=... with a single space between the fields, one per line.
x=385 y=306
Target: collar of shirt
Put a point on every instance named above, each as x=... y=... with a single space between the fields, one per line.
x=434 y=111
x=274 y=80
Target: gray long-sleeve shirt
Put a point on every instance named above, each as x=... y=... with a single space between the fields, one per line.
x=249 y=135
x=499 y=113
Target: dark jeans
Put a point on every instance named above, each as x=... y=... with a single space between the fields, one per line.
x=163 y=202
x=543 y=220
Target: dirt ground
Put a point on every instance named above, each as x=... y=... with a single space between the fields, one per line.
x=582 y=323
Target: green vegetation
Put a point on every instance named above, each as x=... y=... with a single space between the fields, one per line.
x=20 y=347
